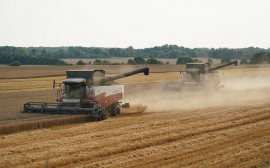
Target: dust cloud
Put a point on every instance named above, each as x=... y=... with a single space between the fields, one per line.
x=135 y=108
x=238 y=91
x=247 y=82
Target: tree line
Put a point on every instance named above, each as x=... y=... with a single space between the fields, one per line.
x=137 y=60
x=17 y=60
x=23 y=56
x=29 y=60
x=165 y=51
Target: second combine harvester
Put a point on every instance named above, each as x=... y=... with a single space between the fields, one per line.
x=86 y=92
x=199 y=77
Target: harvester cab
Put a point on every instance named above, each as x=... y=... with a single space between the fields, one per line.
x=86 y=92
x=199 y=77
x=193 y=71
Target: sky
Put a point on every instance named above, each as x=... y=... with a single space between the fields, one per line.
x=136 y=23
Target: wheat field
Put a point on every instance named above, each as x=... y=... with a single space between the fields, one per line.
x=211 y=136
x=228 y=129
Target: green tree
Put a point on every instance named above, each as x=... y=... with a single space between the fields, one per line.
x=244 y=61
x=260 y=58
x=105 y=62
x=265 y=59
x=34 y=51
x=43 y=52
x=184 y=60
x=15 y=63
x=80 y=62
x=153 y=61
x=8 y=49
x=139 y=60
x=129 y=51
x=97 y=51
x=89 y=63
x=131 y=62
x=22 y=51
x=105 y=53
x=200 y=54
x=197 y=61
x=225 y=60
x=62 y=53
x=174 y=54
x=97 y=62
x=167 y=63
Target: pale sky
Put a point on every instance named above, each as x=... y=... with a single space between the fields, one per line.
x=137 y=23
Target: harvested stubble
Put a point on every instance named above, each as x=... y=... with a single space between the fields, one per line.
x=217 y=136
x=225 y=130
x=10 y=111
x=18 y=127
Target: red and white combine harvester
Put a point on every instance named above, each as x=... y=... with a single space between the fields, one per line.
x=199 y=77
x=86 y=92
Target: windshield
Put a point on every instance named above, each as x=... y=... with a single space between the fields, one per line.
x=75 y=90
x=192 y=77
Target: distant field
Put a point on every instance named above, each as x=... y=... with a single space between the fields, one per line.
x=119 y=60
x=41 y=83
x=30 y=71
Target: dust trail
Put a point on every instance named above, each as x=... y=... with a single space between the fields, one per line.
x=135 y=108
x=247 y=82
x=237 y=91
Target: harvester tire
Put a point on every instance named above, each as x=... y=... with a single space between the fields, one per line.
x=104 y=116
x=115 y=111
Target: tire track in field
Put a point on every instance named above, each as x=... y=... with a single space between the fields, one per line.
x=156 y=128
x=137 y=127
x=210 y=146
x=172 y=156
x=164 y=141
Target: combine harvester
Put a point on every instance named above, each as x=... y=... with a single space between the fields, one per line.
x=86 y=92
x=199 y=77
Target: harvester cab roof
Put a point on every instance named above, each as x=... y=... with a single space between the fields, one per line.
x=90 y=77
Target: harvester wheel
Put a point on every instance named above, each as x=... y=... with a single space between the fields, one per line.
x=104 y=116
x=116 y=111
